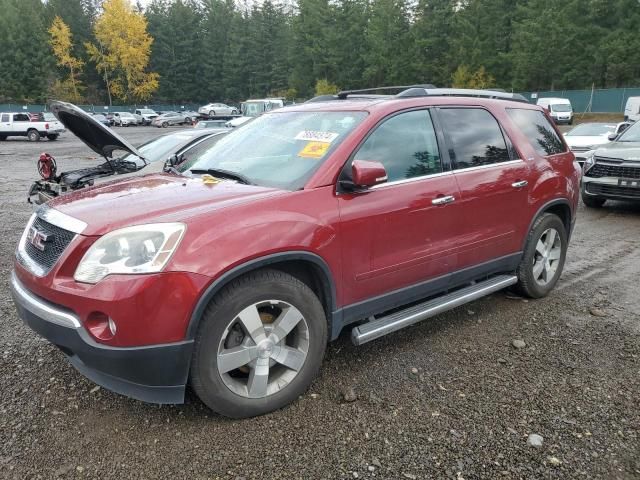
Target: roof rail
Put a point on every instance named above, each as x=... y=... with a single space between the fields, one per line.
x=460 y=92
x=345 y=93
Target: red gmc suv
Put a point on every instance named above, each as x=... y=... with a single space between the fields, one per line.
x=366 y=211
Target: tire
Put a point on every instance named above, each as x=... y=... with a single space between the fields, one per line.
x=591 y=201
x=3 y=138
x=234 y=112
x=165 y=124
x=229 y=393
x=33 y=136
x=52 y=137
x=534 y=265
x=187 y=120
x=212 y=113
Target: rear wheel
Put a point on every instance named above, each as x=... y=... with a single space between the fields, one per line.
x=165 y=124
x=212 y=113
x=187 y=120
x=52 y=137
x=592 y=202
x=259 y=345
x=33 y=136
x=543 y=257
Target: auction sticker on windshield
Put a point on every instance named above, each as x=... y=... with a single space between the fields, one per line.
x=315 y=136
x=314 y=150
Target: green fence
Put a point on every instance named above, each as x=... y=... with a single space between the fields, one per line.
x=15 y=107
x=610 y=100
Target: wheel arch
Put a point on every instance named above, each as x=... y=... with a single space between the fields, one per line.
x=560 y=207
x=309 y=268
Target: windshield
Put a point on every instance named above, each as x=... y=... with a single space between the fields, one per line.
x=591 y=129
x=146 y=110
x=631 y=134
x=560 y=107
x=280 y=150
x=252 y=109
x=159 y=148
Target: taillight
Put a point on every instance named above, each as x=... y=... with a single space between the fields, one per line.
x=46 y=126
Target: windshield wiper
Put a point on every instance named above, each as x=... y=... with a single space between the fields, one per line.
x=218 y=172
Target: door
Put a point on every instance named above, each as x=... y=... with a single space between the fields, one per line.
x=493 y=185
x=20 y=123
x=402 y=232
x=5 y=124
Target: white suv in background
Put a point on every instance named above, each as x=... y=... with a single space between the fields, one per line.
x=124 y=119
x=217 y=109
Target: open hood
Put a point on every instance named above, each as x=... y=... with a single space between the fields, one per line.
x=98 y=137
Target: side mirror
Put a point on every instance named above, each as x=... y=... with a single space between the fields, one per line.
x=612 y=136
x=172 y=162
x=366 y=173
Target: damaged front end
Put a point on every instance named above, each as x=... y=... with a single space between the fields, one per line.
x=100 y=138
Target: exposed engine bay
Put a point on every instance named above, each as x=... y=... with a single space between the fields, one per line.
x=51 y=185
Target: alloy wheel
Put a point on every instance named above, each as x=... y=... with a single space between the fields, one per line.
x=547 y=256
x=263 y=349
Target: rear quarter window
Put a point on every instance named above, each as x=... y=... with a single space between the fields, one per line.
x=538 y=130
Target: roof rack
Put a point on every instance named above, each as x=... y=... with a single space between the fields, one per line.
x=345 y=93
x=460 y=92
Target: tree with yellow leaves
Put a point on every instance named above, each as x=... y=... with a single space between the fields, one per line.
x=122 y=52
x=70 y=88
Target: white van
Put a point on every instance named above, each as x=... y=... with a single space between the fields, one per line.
x=632 y=109
x=559 y=109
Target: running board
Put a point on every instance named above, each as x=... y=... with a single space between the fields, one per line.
x=381 y=326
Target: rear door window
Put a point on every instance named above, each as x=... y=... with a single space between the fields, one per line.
x=475 y=137
x=5 y=117
x=536 y=127
x=405 y=144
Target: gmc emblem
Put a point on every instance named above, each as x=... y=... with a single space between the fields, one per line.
x=37 y=238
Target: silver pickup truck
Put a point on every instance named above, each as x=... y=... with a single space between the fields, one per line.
x=20 y=125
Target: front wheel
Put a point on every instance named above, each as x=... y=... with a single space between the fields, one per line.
x=544 y=256
x=187 y=120
x=259 y=345
x=33 y=136
x=3 y=138
x=212 y=113
x=165 y=124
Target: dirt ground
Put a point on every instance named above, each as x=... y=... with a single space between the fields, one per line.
x=448 y=398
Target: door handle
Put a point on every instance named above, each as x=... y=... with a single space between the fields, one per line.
x=520 y=184
x=443 y=200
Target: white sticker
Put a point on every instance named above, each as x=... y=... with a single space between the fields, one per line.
x=314 y=136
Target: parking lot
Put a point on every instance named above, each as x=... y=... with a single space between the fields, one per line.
x=451 y=397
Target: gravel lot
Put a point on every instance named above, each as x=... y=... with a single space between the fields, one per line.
x=449 y=398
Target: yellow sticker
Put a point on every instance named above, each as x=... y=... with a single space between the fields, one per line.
x=314 y=150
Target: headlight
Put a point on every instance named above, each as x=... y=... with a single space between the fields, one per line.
x=589 y=161
x=131 y=250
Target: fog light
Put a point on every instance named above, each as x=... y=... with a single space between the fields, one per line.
x=101 y=326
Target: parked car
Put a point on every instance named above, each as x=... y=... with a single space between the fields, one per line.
x=254 y=108
x=20 y=125
x=632 y=109
x=560 y=109
x=588 y=136
x=217 y=109
x=171 y=118
x=124 y=119
x=149 y=156
x=147 y=114
x=101 y=118
x=211 y=124
x=612 y=170
x=371 y=215
x=139 y=119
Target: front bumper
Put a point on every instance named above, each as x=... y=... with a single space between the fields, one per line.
x=611 y=187
x=156 y=373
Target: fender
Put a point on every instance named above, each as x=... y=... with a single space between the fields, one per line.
x=546 y=206
x=220 y=282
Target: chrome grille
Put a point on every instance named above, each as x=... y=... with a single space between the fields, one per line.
x=602 y=170
x=39 y=261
